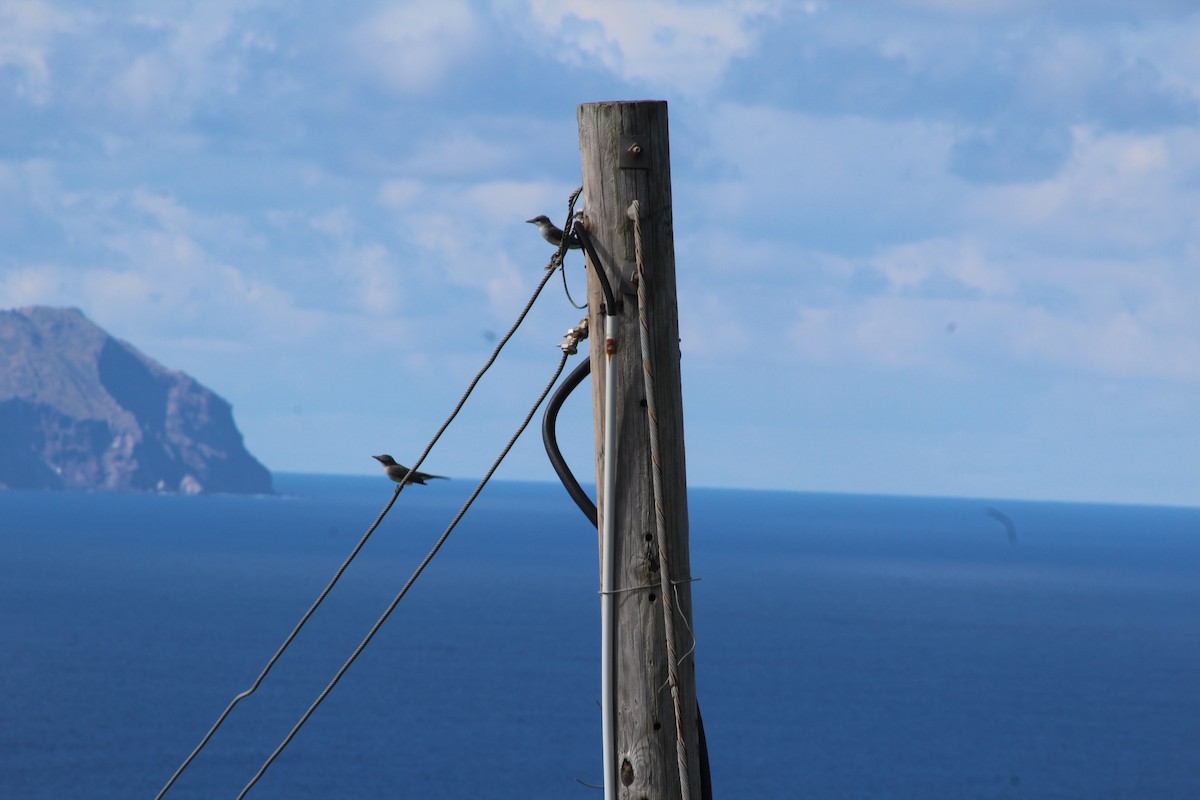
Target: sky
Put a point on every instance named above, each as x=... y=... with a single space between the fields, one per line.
x=931 y=247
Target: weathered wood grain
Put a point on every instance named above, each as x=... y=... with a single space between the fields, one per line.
x=645 y=726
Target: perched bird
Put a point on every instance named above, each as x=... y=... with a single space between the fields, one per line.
x=397 y=471
x=551 y=232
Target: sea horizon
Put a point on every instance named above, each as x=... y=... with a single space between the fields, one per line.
x=845 y=645
x=590 y=489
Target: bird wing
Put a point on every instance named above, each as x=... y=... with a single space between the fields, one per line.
x=1010 y=527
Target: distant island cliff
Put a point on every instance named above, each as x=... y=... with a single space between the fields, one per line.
x=81 y=410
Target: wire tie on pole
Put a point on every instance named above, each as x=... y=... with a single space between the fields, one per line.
x=648 y=586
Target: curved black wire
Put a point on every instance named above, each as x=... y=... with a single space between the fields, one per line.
x=610 y=301
x=567 y=291
x=550 y=440
x=705 y=768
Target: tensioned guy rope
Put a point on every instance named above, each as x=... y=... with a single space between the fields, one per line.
x=664 y=572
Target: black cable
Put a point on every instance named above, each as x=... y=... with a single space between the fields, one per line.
x=567 y=291
x=550 y=440
x=610 y=301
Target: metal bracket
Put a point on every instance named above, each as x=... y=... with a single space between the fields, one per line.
x=627 y=276
x=634 y=152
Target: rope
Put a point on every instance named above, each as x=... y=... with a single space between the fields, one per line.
x=416 y=574
x=286 y=643
x=665 y=583
x=555 y=261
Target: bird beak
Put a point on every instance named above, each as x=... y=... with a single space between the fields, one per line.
x=531 y=220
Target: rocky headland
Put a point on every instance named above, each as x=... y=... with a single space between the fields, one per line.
x=81 y=410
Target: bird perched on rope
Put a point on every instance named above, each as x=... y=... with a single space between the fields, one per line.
x=552 y=233
x=397 y=471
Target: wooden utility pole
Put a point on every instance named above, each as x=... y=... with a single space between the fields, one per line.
x=626 y=157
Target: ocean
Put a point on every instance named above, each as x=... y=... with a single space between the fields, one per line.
x=846 y=646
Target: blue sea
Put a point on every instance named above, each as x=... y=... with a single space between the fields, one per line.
x=847 y=646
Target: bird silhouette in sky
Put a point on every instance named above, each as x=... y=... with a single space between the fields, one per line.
x=1009 y=526
x=397 y=471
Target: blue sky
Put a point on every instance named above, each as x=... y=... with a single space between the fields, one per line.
x=945 y=247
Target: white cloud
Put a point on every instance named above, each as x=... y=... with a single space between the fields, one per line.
x=1090 y=271
x=1170 y=46
x=710 y=327
x=164 y=298
x=337 y=222
x=33 y=184
x=460 y=153
x=506 y=202
x=467 y=255
x=195 y=55
x=1112 y=320
x=400 y=193
x=412 y=46
x=971 y=8
x=147 y=82
x=372 y=275
x=912 y=265
x=150 y=262
x=27 y=31
x=888 y=332
x=1119 y=345
x=1124 y=190
x=32 y=285
x=850 y=178
x=364 y=270
x=684 y=47
x=464 y=232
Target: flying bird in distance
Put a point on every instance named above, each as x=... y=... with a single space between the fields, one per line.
x=1009 y=526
